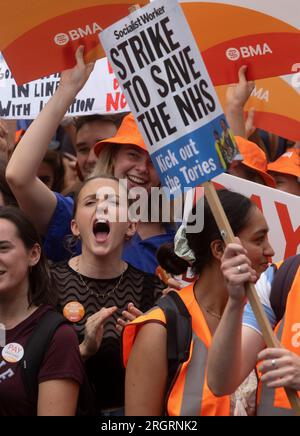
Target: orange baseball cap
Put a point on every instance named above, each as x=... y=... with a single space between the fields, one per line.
x=287 y=163
x=128 y=133
x=255 y=158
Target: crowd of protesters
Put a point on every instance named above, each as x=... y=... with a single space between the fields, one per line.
x=65 y=250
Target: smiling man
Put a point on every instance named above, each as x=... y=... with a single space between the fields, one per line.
x=90 y=130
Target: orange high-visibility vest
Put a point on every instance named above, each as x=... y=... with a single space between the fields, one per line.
x=189 y=394
x=274 y=402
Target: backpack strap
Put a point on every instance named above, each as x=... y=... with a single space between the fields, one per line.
x=148 y=300
x=179 y=332
x=282 y=283
x=35 y=350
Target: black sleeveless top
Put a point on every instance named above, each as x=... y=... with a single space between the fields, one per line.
x=105 y=369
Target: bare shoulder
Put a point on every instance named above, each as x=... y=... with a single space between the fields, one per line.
x=152 y=333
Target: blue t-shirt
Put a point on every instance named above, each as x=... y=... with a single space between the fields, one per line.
x=263 y=288
x=139 y=253
x=55 y=242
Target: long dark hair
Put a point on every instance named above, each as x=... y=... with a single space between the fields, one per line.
x=237 y=208
x=40 y=291
x=54 y=159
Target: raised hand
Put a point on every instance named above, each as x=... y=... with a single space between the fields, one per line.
x=76 y=77
x=238 y=94
x=237 y=270
x=128 y=315
x=236 y=98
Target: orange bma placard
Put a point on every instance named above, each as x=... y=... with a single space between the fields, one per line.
x=276 y=102
x=40 y=37
x=262 y=34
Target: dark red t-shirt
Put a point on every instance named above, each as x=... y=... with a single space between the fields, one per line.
x=62 y=361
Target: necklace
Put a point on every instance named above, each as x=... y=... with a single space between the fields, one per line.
x=216 y=315
x=91 y=292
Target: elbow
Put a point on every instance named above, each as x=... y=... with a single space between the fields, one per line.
x=14 y=178
x=218 y=384
x=218 y=389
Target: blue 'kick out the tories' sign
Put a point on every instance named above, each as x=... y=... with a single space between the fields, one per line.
x=169 y=91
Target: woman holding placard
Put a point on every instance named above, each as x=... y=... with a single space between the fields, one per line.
x=51 y=212
x=238 y=344
x=145 y=340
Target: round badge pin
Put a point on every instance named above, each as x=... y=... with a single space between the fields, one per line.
x=74 y=311
x=13 y=352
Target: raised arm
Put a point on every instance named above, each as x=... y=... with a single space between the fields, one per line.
x=33 y=196
x=236 y=98
x=234 y=349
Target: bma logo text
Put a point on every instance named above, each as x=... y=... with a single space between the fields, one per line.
x=234 y=54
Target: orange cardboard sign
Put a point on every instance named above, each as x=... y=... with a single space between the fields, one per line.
x=40 y=37
x=263 y=35
x=276 y=102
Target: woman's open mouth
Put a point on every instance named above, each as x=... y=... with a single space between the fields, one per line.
x=101 y=230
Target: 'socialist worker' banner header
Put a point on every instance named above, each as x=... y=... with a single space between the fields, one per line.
x=263 y=34
x=40 y=37
x=167 y=86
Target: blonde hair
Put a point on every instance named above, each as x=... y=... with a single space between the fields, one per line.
x=106 y=161
x=105 y=166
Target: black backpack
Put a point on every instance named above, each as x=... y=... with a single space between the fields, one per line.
x=282 y=283
x=34 y=353
x=179 y=334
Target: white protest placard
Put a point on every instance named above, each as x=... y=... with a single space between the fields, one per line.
x=101 y=94
x=169 y=91
x=280 y=209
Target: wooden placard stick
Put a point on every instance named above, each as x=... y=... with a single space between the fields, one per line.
x=228 y=237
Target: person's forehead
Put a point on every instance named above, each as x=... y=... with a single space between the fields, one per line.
x=7 y=229
x=96 y=125
x=127 y=147
x=257 y=219
x=102 y=185
x=95 y=132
